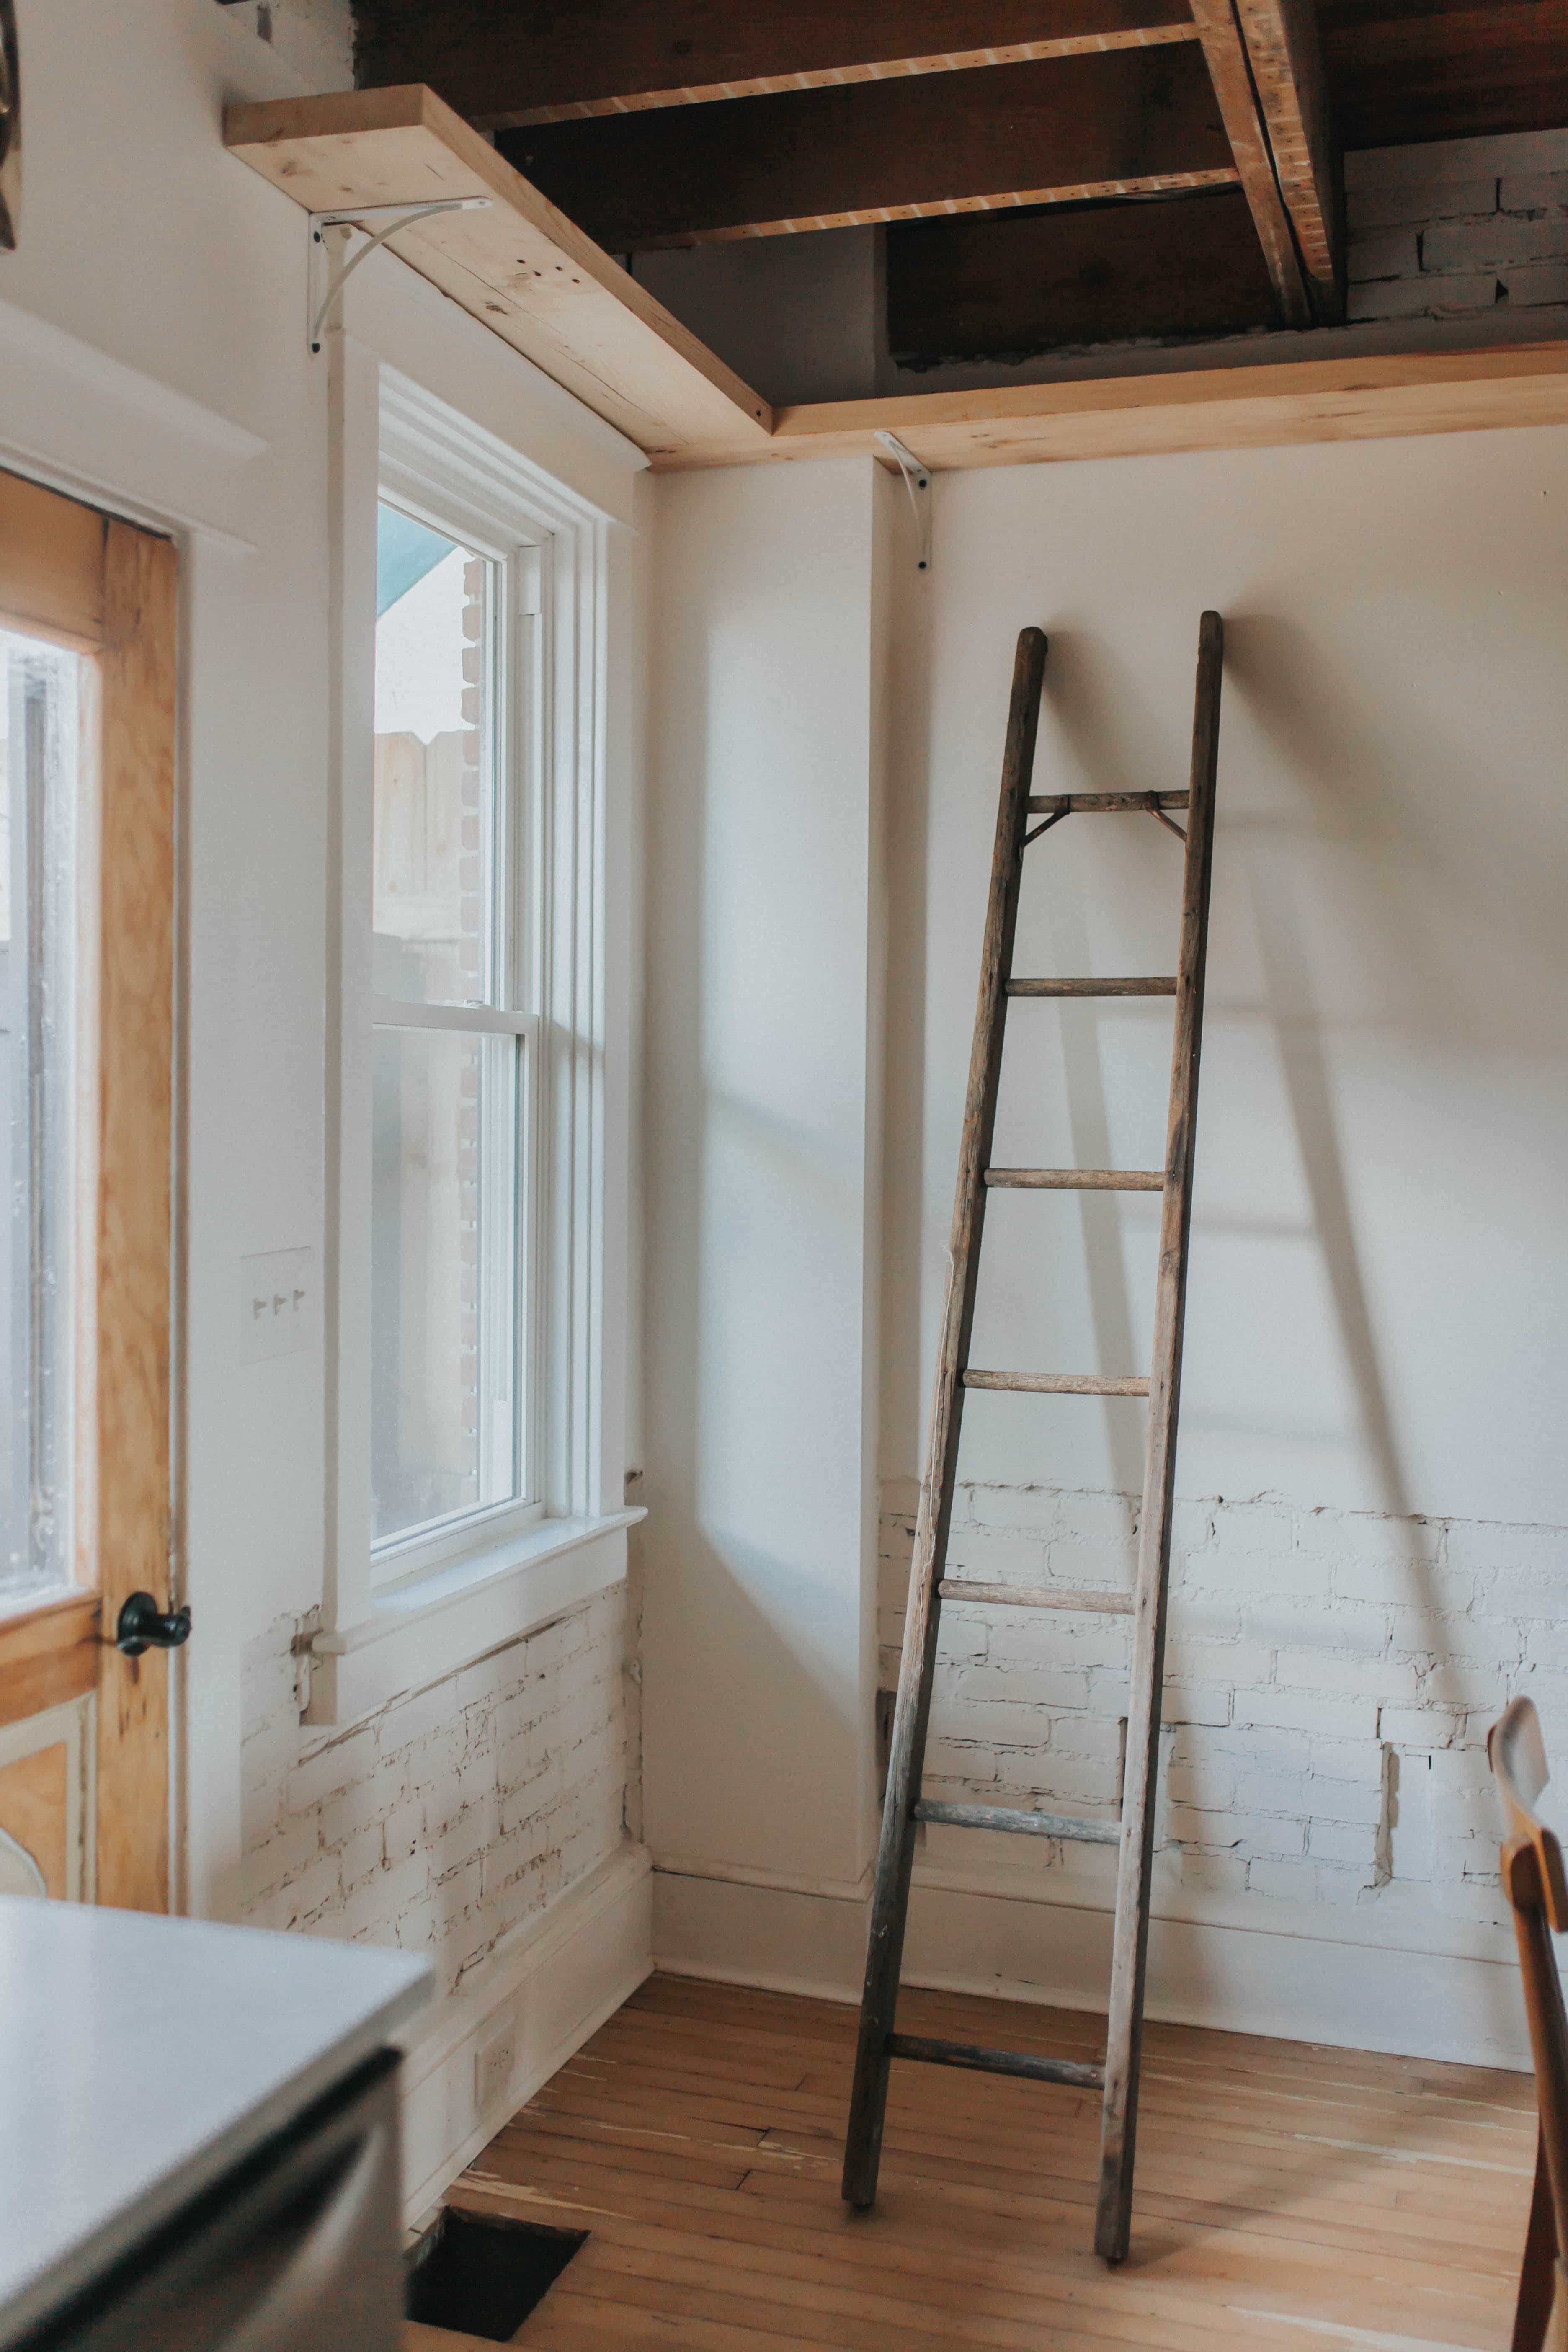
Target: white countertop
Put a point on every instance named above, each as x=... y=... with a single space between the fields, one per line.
x=141 y=2057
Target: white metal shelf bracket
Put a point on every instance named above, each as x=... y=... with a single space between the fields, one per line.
x=323 y=289
x=916 y=482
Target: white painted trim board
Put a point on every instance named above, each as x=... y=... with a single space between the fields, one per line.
x=556 y=1979
x=1464 y=2009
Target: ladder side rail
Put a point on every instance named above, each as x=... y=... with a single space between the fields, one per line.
x=895 y=1856
x=1131 y=1944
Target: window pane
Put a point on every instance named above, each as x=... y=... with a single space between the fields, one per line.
x=433 y=910
x=38 y=752
x=444 y=1277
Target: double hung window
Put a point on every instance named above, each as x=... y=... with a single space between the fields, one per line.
x=455 y=1245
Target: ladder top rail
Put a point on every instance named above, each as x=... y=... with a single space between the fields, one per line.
x=1103 y=803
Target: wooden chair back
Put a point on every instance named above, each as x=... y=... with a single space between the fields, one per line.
x=1533 y=1880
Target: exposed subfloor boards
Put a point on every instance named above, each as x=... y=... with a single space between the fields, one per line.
x=1287 y=2195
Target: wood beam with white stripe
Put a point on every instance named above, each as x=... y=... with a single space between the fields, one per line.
x=1284 y=50
x=1138 y=121
x=554 y=61
x=1231 y=73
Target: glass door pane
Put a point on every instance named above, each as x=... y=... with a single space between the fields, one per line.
x=39 y=750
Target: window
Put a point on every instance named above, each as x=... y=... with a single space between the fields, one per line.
x=454 y=1178
x=465 y=1279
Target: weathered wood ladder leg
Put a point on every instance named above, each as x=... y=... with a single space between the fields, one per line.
x=895 y=1856
x=1124 y=2032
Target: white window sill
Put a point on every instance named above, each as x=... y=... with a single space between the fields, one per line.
x=432 y=1625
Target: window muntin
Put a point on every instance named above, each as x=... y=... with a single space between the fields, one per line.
x=452 y=1175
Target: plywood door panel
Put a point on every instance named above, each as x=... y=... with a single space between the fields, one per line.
x=51 y=562
x=35 y=1805
x=48 y=1656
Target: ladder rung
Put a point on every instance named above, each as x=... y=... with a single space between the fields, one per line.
x=1104 y=803
x=1060 y=1384
x=1036 y=1596
x=1078 y=1179
x=996 y=2062
x=1153 y=984
x=1011 y=1817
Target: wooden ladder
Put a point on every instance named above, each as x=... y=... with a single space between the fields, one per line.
x=929 y=1587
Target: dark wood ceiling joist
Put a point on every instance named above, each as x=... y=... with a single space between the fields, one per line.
x=1266 y=62
x=1026 y=282
x=1403 y=71
x=1109 y=123
x=1285 y=52
x=508 y=62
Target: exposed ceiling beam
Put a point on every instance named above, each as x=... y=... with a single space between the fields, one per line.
x=1122 y=121
x=1036 y=281
x=1226 y=51
x=551 y=60
x=1406 y=70
x=533 y=280
x=1284 y=49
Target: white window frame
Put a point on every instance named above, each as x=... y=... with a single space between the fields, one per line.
x=392 y=438
x=518 y=700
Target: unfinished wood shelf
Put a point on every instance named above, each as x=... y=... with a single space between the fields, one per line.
x=526 y=272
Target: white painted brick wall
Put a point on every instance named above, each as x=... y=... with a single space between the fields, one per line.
x=1459 y=228
x=1330 y=1679
x=453 y=1815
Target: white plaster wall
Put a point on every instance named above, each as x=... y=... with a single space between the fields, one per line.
x=153 y=357
x=315 y=39
x=1380 y=1272
x=799 y=318
x=1373 y=1489
x=1372 y=1518
x=761 y=1140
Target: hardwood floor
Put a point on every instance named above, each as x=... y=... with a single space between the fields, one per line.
x=1287 y=2195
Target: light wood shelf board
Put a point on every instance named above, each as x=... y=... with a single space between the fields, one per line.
x=527 y=273
x=520 y=267
x=1254 y=407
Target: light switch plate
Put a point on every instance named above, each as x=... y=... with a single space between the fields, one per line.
x=495 y=2061
x=279 y=1307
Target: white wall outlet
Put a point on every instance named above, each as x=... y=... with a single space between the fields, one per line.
x=279 y=1304
x=495 y=2060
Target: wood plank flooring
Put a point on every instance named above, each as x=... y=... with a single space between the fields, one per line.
x=1287 y=2195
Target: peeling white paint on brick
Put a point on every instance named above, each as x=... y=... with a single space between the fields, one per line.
x=455 y=1813
x=1330 y=1679
x=1459 y=228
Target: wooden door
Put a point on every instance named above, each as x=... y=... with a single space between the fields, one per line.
x=87 y=646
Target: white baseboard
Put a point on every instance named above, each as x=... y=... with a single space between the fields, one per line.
x=555 y=1981
x=1295 y=1987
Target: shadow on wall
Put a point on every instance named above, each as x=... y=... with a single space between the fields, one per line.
x=1387 y=966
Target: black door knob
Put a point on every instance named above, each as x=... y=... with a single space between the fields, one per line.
x=144 y=1626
